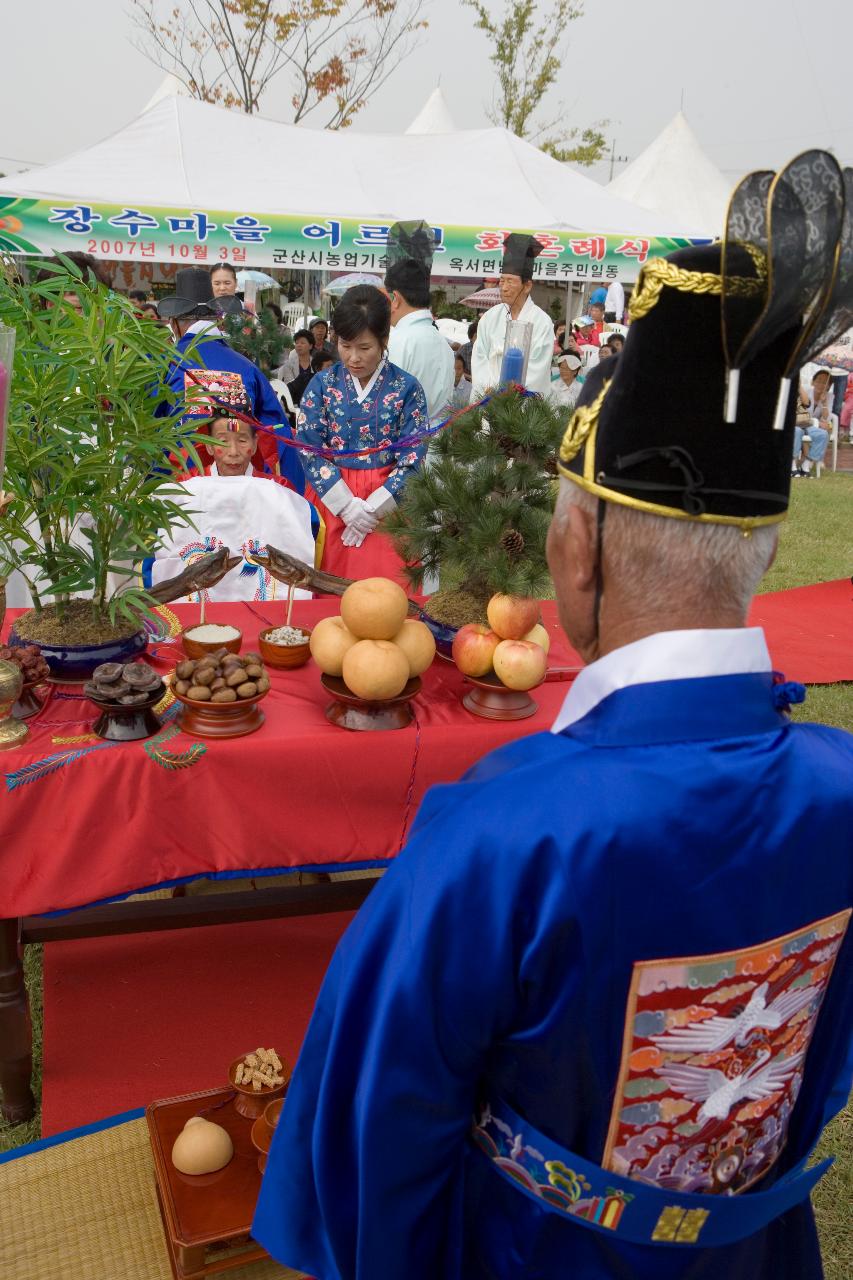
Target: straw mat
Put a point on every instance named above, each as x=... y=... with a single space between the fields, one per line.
x=86 y=1209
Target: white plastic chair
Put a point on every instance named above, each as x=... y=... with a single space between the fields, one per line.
x=833 y=440
x=283 y=392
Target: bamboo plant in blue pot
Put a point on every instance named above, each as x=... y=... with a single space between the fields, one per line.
x=88 y=488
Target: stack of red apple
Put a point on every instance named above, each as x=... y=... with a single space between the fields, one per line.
x=514 y=645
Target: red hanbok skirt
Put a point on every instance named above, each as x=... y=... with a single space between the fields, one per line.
x=376 y=557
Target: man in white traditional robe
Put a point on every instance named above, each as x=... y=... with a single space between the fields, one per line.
x=235 y=506
x=516 y=283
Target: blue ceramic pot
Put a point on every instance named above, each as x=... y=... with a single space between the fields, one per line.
x=444 y=635
x=74 y=662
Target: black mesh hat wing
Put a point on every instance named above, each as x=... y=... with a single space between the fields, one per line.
x=411 y=241
x=805 y=206
x=746 y=228
x=834 y=315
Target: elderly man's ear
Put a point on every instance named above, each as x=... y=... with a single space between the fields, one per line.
x=578 y=554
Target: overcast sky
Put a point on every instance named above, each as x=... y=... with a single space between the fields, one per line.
x=761 y=79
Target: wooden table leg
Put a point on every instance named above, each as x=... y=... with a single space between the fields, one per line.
x=16 y=1032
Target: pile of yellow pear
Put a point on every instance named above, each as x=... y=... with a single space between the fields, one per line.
x=373 y=645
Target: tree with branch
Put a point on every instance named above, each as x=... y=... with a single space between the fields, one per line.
x=528 y=48
x=336 y=53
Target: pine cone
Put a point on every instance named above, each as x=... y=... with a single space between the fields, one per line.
x=512 y=542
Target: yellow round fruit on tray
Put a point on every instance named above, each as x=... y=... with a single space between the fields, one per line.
x=374 y=608
x=330 y=640
x=511 y=617
x=418 y=644
x=201 y=1147
x=375 y=670
x=538 y=635
x=520 y=664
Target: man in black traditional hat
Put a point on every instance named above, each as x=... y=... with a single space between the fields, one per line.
x=622 y=946
x=415 y=343
x=207 y=364
x=516 y=283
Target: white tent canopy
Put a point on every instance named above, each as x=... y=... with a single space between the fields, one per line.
x=187 y=154
x=169 y=87
x=673 y=176
x=434 y=116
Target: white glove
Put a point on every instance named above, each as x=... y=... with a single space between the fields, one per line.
x=351 y=537
x=357 y=516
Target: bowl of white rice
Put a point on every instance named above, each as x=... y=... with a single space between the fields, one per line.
x=207 y=637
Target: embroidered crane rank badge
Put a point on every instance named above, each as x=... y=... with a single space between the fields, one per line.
x=712 y=1060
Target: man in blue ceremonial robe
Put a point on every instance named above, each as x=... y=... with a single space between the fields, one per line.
x=208 y=367
x=594 y=1018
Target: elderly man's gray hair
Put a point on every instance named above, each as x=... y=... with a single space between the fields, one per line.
x=659 y=559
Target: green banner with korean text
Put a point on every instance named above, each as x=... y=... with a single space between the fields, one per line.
x=300 y=243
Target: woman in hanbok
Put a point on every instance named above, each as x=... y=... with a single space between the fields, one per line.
x=362 y=402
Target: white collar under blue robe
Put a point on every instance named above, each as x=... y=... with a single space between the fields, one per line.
x=646 y=853
x=668 y=655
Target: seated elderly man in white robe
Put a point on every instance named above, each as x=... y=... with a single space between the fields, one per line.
x=233 y=505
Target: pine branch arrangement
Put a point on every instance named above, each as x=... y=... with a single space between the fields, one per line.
x=257 y=337
x=480 y=510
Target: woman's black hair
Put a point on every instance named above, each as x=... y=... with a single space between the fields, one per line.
x=559 y=324
x=363 y=308
x=276 y=310
x=304 y=333
x=225 y=266
x=472 y=330
x=94 y=272
x=321 y=357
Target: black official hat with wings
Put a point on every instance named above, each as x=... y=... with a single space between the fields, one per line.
x=697 y=420
x=520 y=252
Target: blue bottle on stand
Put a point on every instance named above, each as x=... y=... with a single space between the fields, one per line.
x=516 y=352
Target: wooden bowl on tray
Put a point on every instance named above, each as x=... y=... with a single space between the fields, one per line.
x=351 y=712
x=284 y=656
x=492 y=700
x=118 y=722
x=29 y=704
x=219 y=719
x=250 y=1102
x=263 y=1130
x=198 y=648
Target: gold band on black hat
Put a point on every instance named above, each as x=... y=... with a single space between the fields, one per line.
x=659 y=273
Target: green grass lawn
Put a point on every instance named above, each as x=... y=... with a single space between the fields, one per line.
x=816 y=546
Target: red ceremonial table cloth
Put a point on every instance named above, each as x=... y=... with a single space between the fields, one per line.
x=82 y=820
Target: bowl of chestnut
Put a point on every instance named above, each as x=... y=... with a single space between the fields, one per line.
x=219 y=693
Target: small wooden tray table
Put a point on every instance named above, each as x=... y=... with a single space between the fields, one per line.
x=207 y=1218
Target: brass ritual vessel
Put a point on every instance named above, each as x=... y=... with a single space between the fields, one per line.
x=12 y=731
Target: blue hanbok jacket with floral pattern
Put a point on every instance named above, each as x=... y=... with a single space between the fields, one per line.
x=331 y=417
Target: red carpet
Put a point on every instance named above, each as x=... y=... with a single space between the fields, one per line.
x=128 y=1020
x=809 y=631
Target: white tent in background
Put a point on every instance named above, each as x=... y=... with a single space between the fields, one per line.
x=434 y=116
x=674 y=176
x=169 y=87
x=171 y=156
